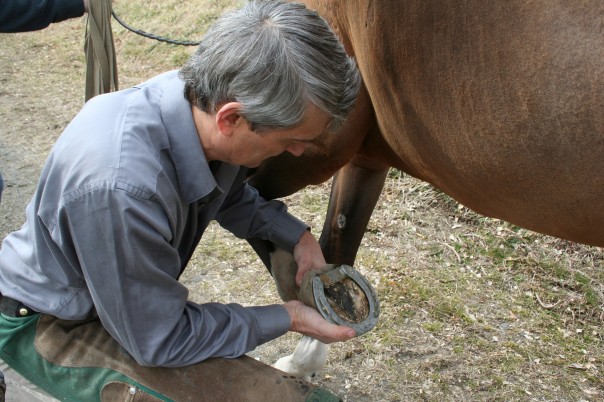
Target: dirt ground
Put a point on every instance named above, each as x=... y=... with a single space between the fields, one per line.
x=473 y=309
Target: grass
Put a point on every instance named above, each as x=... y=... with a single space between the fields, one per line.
x=488 y=291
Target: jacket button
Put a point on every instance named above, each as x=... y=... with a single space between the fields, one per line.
x=23 y=312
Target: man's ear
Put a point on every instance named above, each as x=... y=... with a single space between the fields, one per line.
x=228 y=118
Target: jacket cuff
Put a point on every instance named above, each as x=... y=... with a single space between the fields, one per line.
x=67 y=9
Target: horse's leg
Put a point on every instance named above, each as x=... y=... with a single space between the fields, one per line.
x=310 y=355
x=354 y=194
x=355 y=191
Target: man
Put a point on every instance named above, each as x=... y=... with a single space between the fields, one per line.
x=130 y=187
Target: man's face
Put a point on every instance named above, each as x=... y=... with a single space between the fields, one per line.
x=250 y=148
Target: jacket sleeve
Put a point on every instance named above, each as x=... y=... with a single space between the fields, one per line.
x=32 y=15
x=247 y=215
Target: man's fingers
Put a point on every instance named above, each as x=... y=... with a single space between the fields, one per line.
x=341 y=333
x=299 y=276
x=308 y=321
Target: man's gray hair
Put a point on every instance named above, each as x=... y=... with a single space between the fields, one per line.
x=274 y=58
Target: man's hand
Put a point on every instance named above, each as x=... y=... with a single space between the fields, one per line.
x=307 y=321
x=308 y=255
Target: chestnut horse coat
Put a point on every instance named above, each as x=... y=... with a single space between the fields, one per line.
x=498 y=104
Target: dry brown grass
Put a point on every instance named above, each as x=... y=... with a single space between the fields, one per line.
x=472 y=308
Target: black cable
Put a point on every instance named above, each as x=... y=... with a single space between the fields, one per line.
x=153 y=36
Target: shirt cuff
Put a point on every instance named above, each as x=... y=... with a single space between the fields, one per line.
x=286 y=231
x=273 y=321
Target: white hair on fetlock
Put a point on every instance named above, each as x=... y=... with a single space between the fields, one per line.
x=308 y=359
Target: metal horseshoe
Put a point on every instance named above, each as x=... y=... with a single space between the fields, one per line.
x=313 y=293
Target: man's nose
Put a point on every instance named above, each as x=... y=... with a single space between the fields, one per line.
x=296 y=149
